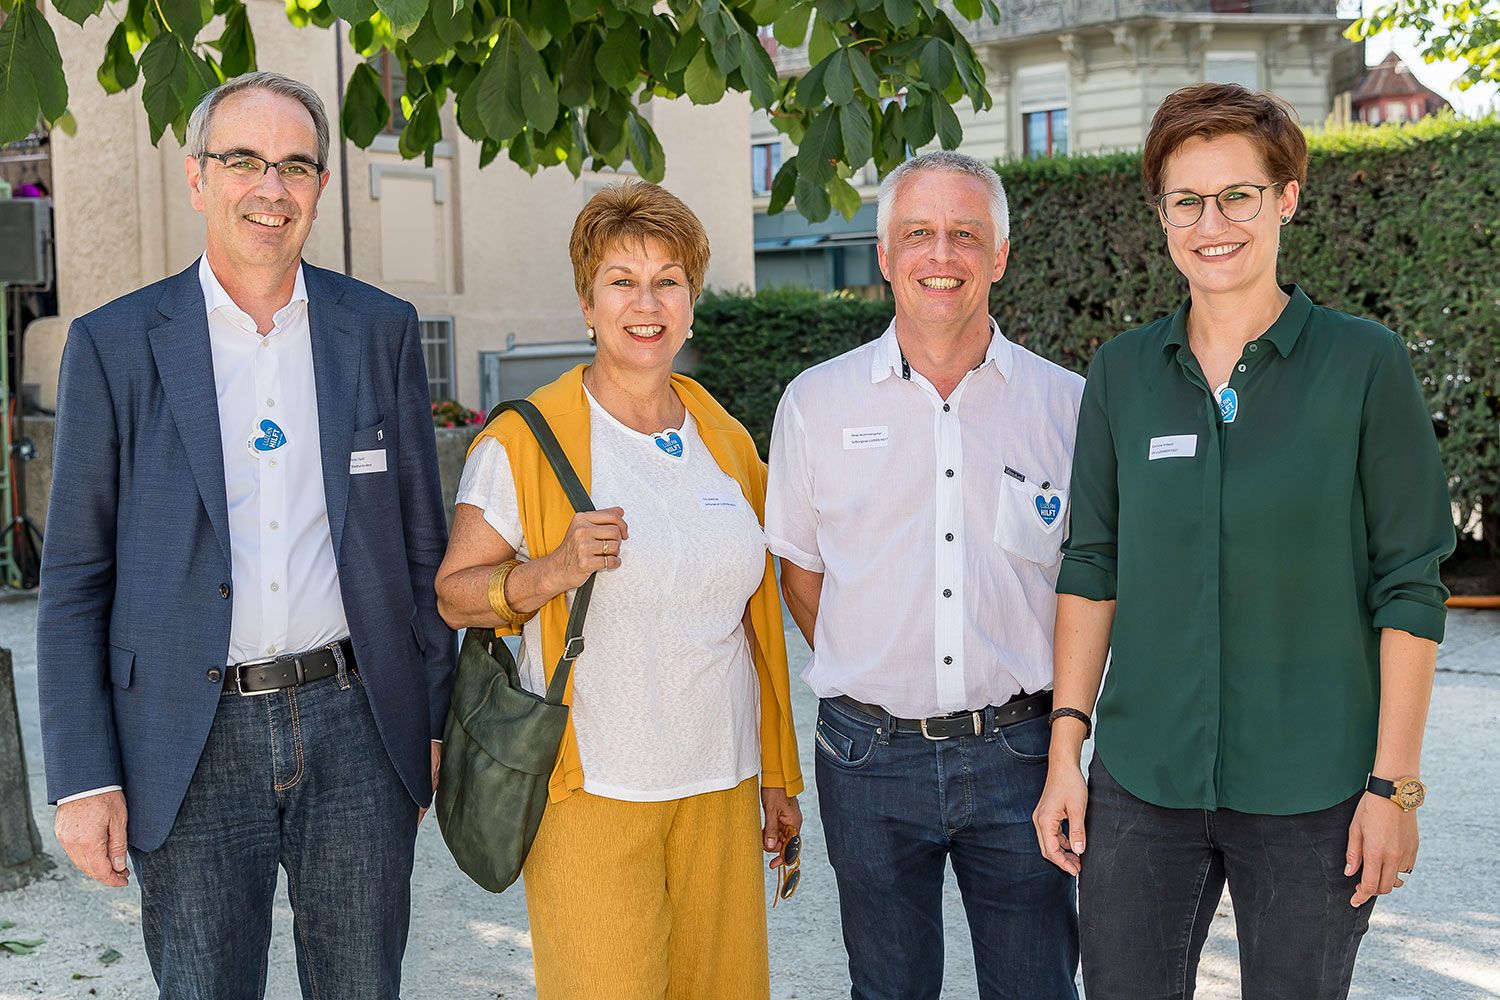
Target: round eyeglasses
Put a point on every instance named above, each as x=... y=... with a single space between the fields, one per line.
x=248 y=166
x=1237 y=203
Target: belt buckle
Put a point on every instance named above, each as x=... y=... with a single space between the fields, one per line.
x=976 y=718
x=239 y=674
x=922 y=725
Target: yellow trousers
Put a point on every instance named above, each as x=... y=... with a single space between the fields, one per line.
x=649 y=900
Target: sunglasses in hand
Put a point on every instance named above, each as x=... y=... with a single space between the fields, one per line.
x=789 y=871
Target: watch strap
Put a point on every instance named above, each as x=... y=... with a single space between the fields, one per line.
x=1381 y=787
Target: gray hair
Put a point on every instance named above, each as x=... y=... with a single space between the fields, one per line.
x=948 y=161
x=202 y=116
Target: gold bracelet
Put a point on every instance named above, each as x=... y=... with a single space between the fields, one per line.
x=498 y=603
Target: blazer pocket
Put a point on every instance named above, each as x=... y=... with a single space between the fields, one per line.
x=368 y=438
x=121 y=666
x=416 y=631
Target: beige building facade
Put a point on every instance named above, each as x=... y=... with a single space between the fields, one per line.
x=482 y=254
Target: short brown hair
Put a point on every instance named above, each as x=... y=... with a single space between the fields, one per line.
x=1209 y=110
x=636 y=211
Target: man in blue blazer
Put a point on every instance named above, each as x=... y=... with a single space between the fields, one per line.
x=241 y=664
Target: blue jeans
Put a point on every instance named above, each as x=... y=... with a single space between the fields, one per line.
x=895 y=808
x=297 y=779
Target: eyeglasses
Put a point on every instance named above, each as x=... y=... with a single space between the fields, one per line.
x=248 y=166
x=789 y=872
x=1237 y=203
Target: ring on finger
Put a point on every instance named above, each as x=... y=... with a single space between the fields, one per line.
x=605 y=552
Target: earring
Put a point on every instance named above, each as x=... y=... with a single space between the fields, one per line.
x=690 y=333
x=591 y=333
x=1285 y=219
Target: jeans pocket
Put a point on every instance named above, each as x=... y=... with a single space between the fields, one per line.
x=1027 y=741
x=842 y=742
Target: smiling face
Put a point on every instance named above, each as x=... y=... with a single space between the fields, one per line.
x=257 y=222
x=941 y=252
x=1216 y=254
x=642 y=306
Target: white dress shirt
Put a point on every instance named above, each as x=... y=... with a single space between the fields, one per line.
x=286 y=596
x=665 y=697
x=937 y=524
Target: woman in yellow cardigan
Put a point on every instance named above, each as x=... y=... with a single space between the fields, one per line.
x=645 y=880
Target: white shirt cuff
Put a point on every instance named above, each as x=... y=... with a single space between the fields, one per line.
x=94 y=791
x=783 y=549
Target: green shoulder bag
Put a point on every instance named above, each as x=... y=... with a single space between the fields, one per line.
x=500 y=743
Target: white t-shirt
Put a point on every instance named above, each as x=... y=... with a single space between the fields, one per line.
x=665 y=696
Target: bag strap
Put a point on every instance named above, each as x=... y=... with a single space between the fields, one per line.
x=579 y=498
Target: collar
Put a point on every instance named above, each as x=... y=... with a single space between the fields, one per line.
x=887 y=360
x=215 y=297
x=1283 y=333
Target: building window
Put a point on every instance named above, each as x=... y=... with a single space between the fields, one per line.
x=437 y=350
x=1042 y=93
x=1242 y=68
x=1372 y=114
x=765 y=160
x=392 y=84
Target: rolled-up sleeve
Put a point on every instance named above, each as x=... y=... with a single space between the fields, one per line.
x=791 y=519
x=1091 y=551
x=1408 y=514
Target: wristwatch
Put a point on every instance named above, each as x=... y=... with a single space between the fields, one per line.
x=1408 y=793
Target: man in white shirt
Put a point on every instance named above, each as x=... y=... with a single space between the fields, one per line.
x=240 y=662
x=918 y=502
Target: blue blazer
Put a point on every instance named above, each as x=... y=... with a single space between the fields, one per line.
x=134 y=609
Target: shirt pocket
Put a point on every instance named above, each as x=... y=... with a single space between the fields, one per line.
x=1029 y=521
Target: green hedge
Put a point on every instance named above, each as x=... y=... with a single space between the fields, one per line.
x=1397 y=224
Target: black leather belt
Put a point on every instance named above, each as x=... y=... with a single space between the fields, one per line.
x=277 y=672
x=945 y=727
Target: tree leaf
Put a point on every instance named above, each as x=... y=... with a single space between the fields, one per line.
x=917 y=120
x=109 y=956
x=451 y=20
x=645 y=149
x=20 y=103
x=843 y=196
x=365 y=109
x=858 y=133
x=47 y=67
x=790 y=28
x=864 y=73
x=783 y=186
x=949 y=131
x=900 y=12
x=619 y=58
x=118 y=71
x=578 y=72
x=237 y=43
x=496 y=93
x=78 y=11
x=758 y=70
x=812 y=200
x=404 y=15
x=423 y=130
x=705 y=85
x=823 y=41
x=354 y=11
x=839 y=80
x=820 y=146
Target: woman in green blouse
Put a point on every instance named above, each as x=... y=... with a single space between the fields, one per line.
x=1258 y=515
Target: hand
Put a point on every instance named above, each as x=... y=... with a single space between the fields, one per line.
x=437 y=760
x=583 y=551
x=781 y=812
x=92 y=831
x=1065 y=797
x=1382 y=845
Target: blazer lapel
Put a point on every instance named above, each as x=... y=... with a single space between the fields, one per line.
x=336 y=372
x=185 y=363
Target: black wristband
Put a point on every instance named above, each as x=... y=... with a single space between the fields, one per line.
x=1073 y=713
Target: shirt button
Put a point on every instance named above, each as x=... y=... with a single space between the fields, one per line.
x=948 y=537
x=273 y=463
x=264 y=343
x=947 y=659
x=275 y=525
x=215 y=675
x=1242 y=368
x=224 y=591
x=270 y=402
x=947 y=593
x=1254 y=348
x=275 y=587
x=946 y=407
x=949 y=473
x=271 y=650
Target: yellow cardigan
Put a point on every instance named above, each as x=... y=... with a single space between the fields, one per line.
x=546 y=514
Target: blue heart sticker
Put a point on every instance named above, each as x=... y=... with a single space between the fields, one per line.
x=1048 y=510
x=1229 y=405
x=270 y=438
x=671 y=443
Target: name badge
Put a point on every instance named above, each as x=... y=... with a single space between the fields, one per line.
x=364 y=462
x=866 y=437
x=1174 y=446
x=718 y=501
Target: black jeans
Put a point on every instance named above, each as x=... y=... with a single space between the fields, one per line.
x=1152 y=878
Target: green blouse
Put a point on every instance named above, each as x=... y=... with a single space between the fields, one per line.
x=1255 y=544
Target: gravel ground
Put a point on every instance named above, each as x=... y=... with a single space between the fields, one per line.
x=1439 y=939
